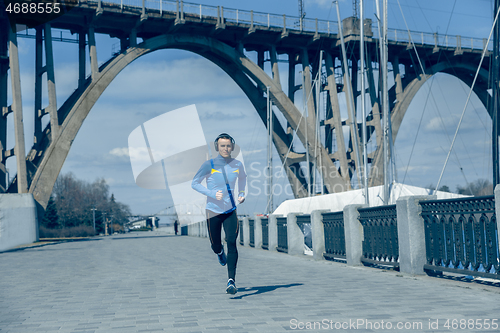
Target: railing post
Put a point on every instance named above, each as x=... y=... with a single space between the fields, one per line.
x=411 y=234
x=257 y=225
x=273 y=232
x=318 y=233
x=251 y=21
x=246 y=231
x=497 y=211
x=458 y=50
x=353 y=235
x=436 y=48
x=294 y=235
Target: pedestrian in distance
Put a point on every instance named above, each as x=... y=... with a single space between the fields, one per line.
x=176 y=227
x=221 y=174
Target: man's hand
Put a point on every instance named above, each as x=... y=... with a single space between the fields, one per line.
x=241 y=199
x=218 y=195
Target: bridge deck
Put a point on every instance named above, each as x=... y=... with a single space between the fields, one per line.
x=157 y=282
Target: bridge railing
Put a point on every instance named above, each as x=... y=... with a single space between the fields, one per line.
x=333 y=224
x=380 y=242
x=241 y=233
x=265 y=232
x=283 y=22
x=251 y=224
x=417 y=235
x=282 y=234
x=461 y=235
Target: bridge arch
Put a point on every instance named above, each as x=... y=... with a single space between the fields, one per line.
x=235 y=64
x=461 y=70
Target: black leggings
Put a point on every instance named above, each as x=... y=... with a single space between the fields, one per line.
x=231 y=228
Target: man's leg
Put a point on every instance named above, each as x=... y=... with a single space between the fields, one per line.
x=231 y=229
x=214 y=225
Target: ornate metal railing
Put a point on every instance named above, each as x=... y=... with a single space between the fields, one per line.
x=241 y=232
x=461 y=236
x=333 y=224
x=304 y=223
x=265 y=233
x=251 y=224
x=380 y=243
x=254 y=19
x=282 y=235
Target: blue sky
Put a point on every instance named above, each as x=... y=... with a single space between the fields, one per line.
x=169 y=79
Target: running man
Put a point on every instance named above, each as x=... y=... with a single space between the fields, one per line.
x=221 y=174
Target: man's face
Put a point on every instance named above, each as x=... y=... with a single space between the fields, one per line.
x=225 y=147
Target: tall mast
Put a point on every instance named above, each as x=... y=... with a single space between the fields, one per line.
x=270 y=152
x=385 y=98
x=304 y=97
x=363 y=106
x=495 y=97
x=317 y=158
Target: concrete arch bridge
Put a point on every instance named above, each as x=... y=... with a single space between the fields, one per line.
x=225 y=36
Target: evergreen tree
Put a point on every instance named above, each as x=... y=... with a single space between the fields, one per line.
x=50 y=218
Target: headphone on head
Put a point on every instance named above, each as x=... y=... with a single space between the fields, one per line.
x=223 y=136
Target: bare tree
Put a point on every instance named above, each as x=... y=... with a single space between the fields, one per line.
x=75 y=200
x=477 y=188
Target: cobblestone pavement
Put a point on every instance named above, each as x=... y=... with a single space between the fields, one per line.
x=149 y=282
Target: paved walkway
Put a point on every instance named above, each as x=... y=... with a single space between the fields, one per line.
x=149 y=282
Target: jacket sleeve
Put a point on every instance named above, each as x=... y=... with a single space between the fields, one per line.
x=242 y=181
x=203 y=172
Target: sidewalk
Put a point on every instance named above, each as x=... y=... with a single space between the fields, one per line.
x=150 y=282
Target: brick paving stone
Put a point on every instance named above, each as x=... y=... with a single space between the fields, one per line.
x=152 y=282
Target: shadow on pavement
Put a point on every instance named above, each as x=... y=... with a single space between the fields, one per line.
x=468 y=279
x=137 y=237
x=263 y=289
x=49 y=241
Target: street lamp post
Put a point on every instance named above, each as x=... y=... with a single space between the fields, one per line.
x=93 y=217
x=105 y=224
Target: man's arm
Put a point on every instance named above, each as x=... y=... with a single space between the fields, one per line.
x=203 y=173
x=242 y=181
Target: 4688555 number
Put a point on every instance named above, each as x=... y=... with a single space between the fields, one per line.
x=32 y=8
x=476 y=324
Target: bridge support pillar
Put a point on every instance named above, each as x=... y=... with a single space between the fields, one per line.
x=4 y=67
x=17 y=109
x=51 y=82
x=411 y=234
x=336 y=120
x=274 y=66
x=93 y=54
x=354 y=235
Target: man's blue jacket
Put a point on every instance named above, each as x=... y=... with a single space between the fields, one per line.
x=211 y=170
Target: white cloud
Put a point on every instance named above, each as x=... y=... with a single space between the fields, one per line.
x=251 y=152
x=120 y=152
